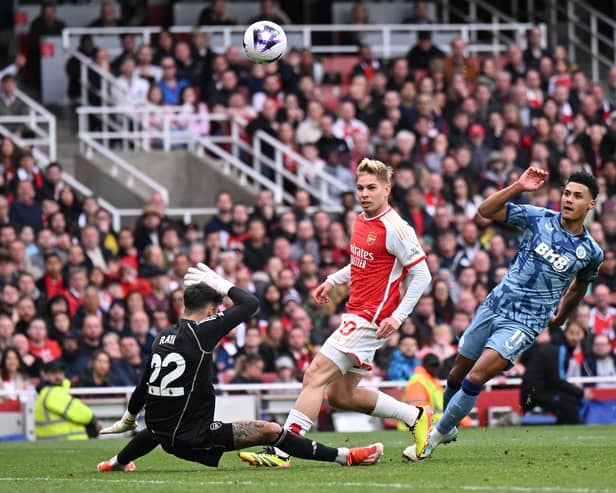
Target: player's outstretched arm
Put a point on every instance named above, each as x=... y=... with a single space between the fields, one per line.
x=495 y=206
x=574 y=294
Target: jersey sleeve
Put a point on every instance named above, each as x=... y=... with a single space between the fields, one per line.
x=522 y=215
x=591 y=271
x=213 y=329
x=405 y=245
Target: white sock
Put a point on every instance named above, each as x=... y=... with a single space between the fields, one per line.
x=297 y=422
x=434 y=437
x=115 y=464
x=343 y=456
x=388 y=407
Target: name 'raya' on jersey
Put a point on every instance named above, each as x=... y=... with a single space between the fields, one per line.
x=176 y=386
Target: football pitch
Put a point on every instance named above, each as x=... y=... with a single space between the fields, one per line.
x=571 y=459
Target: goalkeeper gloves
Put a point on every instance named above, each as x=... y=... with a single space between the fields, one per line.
x=127 y=423
x=202 y=273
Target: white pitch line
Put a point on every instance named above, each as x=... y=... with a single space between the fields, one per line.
x=557 y=489
x=128 y=481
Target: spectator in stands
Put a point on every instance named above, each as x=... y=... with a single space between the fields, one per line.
x=145 y=68
x=601 y=362
x=40 y=346
x=127 y=42
x=297 y=343
x=534 y=52
x=367 y=64
x=99 y=372
x=347 y=125
x=46 y=24
x=216 y=14
x=10 y=104
x=25 y=210
x=7 y=330
x=91 y=335
x=107 y=17
x=131 y=89
x=420 y=56
x=128 y=370
x=270 y=11
x=60 y=325
x=420 y=15
x=169 y=83
x=358 y=16
x=248 y=369
x=139 y=328
x=403 y=359
x=459 y=63
x=13 y=377
x=265 y=121
x=254 y=345
x=194 y=115
x=544 y=383
x=603 y=314
x=188 y=68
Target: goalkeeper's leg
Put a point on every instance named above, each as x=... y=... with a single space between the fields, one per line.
x=141 y=444
x=249 y=433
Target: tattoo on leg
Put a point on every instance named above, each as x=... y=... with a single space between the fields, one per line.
x=248 y=433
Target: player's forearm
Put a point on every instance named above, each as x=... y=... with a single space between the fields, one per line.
x=575 y=293
x=494 y=206
x=419 y=280
x=342 y=276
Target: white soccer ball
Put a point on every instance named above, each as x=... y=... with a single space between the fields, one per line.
x=264 y=42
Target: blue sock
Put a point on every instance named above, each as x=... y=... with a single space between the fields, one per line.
x=450 y=389
x=459 y=406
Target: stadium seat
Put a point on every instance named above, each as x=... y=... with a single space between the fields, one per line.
x=341 y=65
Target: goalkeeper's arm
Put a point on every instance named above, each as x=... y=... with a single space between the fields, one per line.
x=135 y=404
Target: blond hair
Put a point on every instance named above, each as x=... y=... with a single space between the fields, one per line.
x=377 y=168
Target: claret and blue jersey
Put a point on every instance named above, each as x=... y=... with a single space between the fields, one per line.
x=548 y=260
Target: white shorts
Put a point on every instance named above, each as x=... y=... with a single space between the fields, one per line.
x=352 y=345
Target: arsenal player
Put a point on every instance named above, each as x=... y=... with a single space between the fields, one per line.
x=384 y=253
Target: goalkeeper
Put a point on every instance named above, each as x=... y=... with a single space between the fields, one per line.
x=176 y=389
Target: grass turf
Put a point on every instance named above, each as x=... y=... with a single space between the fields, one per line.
x=546 y=459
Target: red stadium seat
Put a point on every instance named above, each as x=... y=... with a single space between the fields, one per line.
x=339 y=64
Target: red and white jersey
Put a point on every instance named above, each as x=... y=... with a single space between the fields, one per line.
x=601 y=323
x=383 y=249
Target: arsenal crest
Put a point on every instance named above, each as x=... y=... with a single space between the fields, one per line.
x=371 y=238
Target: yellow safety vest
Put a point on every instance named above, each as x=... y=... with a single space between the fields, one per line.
x=58 y=415
x=433 y=388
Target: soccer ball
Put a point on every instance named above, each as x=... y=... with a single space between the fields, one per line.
x=264 y=42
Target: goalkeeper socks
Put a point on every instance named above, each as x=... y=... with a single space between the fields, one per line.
x=304 y=448
x=388 y=407
x=141 y=444
x=450 y=389
x=297 y=423
x=459 y=406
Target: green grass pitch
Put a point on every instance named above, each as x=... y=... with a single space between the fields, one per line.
x=572 y=459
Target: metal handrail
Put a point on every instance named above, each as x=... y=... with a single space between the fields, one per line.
x=306 y=31
x=125 y=165
x=325 y=179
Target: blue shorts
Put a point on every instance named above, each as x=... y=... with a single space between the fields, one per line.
x=491 y=330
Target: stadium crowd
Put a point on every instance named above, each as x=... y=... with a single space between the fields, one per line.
x=454 y=127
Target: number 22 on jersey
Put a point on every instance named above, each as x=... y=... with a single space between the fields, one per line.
x=159 y=366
